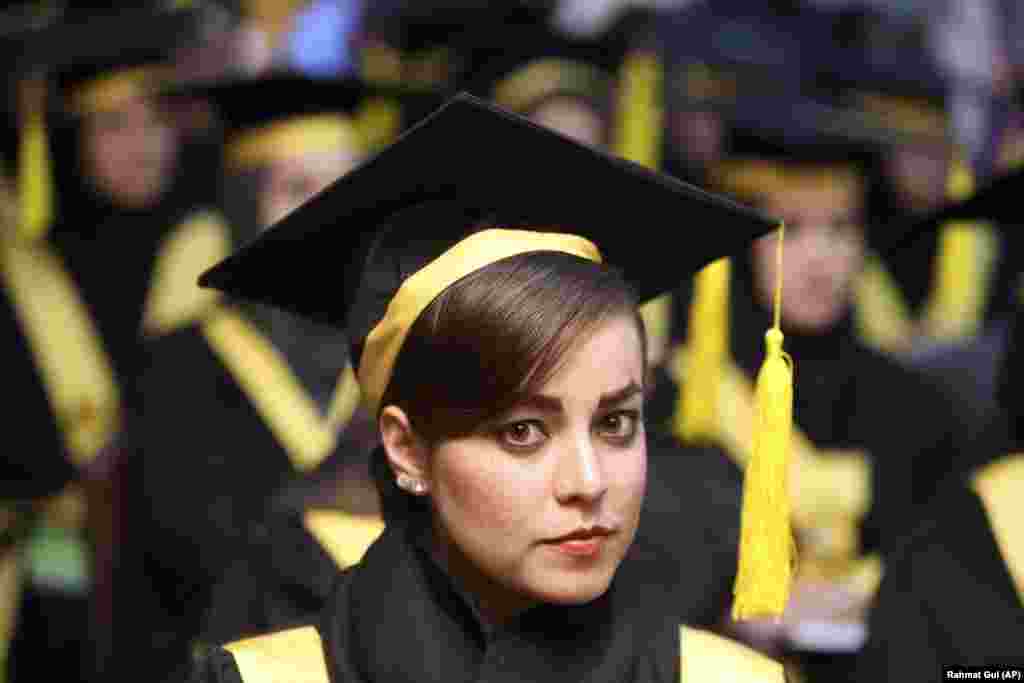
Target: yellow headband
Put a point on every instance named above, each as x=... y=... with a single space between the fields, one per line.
x=545 y=77
x=754 y=179
x=467 y=256
x=108 y=92
x=293 y=137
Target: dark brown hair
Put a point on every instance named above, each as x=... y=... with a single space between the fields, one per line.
x=493 y=337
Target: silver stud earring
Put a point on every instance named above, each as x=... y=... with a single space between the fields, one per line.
x=404 y=481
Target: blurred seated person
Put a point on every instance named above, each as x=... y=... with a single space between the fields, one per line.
x=954 y=594
x=276 y=392
x=869 y=442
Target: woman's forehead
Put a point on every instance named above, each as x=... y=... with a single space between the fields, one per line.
x=601 y=363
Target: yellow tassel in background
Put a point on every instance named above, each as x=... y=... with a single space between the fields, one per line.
x=696 y=418
x=35 y=175
x=767 y=555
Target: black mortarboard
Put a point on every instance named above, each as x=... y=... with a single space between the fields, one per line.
x=289 y=113
x=103 y=58
x=539 y=63
x=905 y=98
x=771 y=134
x=428 y=193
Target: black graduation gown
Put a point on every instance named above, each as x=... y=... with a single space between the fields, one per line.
x=204 y=466
x=397 y=616
x=284 y=574
x=43 y=469
x=946 y=599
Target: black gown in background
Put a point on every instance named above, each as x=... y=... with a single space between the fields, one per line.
x=947 y=598
x=109 y=255
x=847 y=396
x=205 y=464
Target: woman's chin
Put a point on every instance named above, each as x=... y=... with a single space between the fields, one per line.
x=572 y=588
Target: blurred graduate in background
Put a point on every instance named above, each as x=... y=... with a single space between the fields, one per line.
x=96 y=173
x=971 y=539
x=284 y=385
x=857 y=480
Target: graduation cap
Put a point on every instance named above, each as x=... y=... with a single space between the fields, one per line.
x=904 y=98
x=370 y=253
x=285 y=115
x=553 y=66
x=107 y=59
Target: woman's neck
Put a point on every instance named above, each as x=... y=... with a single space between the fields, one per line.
x=494 y=604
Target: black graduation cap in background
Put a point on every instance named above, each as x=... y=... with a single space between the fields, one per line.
x=248 y=103
x=426 y=193
x=809 y=130
x=539 y=62
x=87 y=45
x=252 y=105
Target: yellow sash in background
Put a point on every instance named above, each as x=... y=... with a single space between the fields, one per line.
x=1000 y=485
x=345 y=537
x=277 y=394
x=77 y=374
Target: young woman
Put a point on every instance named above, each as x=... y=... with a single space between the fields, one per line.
x=505 y=363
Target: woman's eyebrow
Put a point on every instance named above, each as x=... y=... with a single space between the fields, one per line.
x=553 y=404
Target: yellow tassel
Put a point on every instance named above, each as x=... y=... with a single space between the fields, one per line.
x=955 y=310
x=35 y=174
x=767 y=550
x=696 y=417
x=638 y=127
x=378 y=121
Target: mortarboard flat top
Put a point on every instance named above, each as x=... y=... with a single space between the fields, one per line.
x=470 y=161
x=545 y=63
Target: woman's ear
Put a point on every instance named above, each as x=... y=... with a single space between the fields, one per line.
x=408 y=455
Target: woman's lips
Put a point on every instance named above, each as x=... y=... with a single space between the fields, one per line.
x=582 y=542
x=582 y=547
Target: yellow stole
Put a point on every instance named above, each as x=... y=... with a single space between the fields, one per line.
x=10 y=596
x=77 y=374
x=1000 y=485
x=277 y=394
x=174 y=299
x=297 y=656
x=830 y=489
x=345 y=537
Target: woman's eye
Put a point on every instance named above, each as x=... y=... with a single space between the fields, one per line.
x=522 y=435
x=621 y=425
